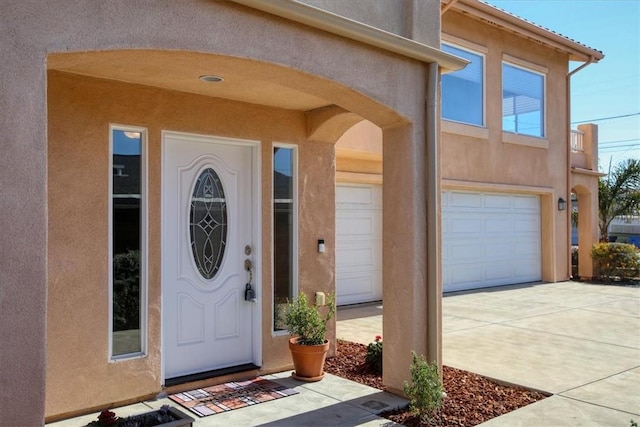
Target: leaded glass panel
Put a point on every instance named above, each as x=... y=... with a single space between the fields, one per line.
x=208 y=223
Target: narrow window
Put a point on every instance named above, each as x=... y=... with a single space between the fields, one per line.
x=523 y=97
x=284 y=231
x=463 y=90
x=128 y=246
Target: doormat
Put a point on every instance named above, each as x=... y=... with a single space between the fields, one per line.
x=229 y=396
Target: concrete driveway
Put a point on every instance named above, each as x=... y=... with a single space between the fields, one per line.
x=580 y=342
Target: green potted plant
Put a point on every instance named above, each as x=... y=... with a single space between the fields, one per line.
x=309 y=345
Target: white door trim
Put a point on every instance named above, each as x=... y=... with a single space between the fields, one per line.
x=256 y=203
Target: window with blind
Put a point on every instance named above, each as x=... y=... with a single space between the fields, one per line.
x=463 y=90
x=523 y=101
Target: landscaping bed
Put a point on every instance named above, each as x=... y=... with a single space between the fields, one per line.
x=471 y=399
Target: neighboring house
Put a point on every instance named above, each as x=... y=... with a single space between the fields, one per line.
x=625 y=229
x=506 y=159
x=153 y=151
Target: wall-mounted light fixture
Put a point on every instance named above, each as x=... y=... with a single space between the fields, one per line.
x=321 y=246
x=562 y=204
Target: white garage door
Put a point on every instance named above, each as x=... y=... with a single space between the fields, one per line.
x=358 y=243
x=489 y=239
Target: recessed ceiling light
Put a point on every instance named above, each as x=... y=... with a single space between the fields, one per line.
x=211 y=79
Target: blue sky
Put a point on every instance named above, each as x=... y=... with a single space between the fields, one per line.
x=610 y=88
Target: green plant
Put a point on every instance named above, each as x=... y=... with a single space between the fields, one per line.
x=425 y=391
x=633 y=424
x=306 y=321
x=615 y=260
x=374 y=355
x=618 y=194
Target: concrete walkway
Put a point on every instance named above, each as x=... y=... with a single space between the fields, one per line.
x=579 y=341
x=333 y=401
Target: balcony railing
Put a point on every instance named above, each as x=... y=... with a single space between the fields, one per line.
x=577 y=144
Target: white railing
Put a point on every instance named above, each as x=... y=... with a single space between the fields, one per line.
x=577 y=144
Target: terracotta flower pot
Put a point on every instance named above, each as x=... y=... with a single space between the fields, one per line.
x=308 y=360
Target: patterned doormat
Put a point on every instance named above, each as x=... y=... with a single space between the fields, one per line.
x=229 y=396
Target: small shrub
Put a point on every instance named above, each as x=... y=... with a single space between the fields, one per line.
x=425 y=392
x=374 y=355
x=305 y=321
x=615 y=260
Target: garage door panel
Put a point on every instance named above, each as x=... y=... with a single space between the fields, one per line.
x=526 y=225
x=355 y=257
x=358 y=287
x=497 y=271
x=358 y=243
x=529 y=203
x=490 y=239
x=462 y=225
x=495 y=226
x=353 y=195
x=527 y=249
x=494 y=201
x=465 y=200
x=354 y=226
x=463 y=250
x=467 y=274
x=495 y=249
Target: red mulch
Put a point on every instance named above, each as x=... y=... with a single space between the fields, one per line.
x=471 y=399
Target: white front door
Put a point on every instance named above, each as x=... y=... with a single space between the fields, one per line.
x=207 y=237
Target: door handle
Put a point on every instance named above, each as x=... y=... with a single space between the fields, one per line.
x=249 y=293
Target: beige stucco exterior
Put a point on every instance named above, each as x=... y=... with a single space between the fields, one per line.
x=72 y=68
x=295 y=74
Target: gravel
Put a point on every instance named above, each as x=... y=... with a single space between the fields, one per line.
x=471 y=399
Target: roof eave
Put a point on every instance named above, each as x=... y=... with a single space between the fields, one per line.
x=484 y=11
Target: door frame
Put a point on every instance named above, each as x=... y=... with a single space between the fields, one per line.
x=256 y=203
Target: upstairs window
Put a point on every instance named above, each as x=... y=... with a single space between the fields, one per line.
x=523 y=101
x=463 y=90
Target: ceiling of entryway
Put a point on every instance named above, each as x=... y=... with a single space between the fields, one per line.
x=244 y=79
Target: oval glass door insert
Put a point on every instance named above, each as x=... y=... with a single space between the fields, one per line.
x=208 y=223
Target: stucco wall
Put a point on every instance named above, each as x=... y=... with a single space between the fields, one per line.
x=413 y=19
x=79 y=375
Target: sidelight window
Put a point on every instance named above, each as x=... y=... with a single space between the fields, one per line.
x=285 y=256
x=127 y=255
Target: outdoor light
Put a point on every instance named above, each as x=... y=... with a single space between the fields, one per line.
x=562 y=204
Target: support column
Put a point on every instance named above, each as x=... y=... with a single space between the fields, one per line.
x=404 y=251
x=23 y=221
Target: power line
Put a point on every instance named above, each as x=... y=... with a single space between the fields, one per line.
x=618 y=147
x=606 y=118
x=621 y=140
